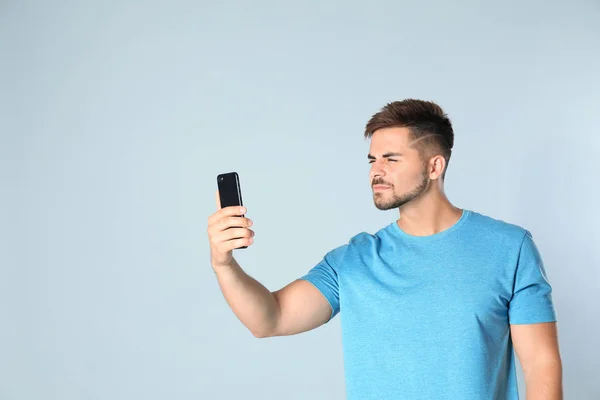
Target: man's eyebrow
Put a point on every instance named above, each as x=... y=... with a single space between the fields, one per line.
x=386 y=155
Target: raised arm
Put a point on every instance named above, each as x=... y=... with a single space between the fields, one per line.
x=295 y=308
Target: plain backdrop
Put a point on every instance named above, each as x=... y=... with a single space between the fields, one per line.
x=116 y=117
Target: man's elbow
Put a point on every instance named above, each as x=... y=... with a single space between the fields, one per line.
x=264 y=332
x=261 y=334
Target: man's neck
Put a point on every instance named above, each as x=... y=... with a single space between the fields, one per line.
x=428 y=216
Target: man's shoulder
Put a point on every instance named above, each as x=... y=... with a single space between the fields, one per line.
x=368 y=239
x=497 y=227
x=359 y=239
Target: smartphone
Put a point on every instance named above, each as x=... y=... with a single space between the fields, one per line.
x=230 y=192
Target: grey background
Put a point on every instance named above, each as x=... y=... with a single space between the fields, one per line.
x=115 y=118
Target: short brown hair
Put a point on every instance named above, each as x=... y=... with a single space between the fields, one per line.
x=422 y=118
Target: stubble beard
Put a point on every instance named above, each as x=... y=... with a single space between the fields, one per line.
x=397 y=201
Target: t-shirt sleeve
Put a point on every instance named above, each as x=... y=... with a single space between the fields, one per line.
x=531 y=300
x=324 y=276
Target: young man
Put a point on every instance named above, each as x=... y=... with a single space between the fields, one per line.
x=433 y=304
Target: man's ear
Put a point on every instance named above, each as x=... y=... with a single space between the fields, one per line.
x=437 y=165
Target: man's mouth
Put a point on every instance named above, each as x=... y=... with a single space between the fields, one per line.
x=379 y=187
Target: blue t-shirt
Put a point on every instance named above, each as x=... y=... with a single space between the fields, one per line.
x=427 y=317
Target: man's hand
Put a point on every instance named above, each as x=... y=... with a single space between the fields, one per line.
x=228 y=229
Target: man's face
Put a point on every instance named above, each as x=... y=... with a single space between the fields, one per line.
x=398 y=174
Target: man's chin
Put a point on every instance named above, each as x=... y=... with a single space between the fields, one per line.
x=383 y=206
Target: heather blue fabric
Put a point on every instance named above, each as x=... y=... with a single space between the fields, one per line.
x=428 y=317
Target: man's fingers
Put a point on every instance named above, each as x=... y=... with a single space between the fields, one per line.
x=234 y=222
x=235 y=233
x=231 y=238
x=228 y=217
x=237 y=243
x=218 y=200
x=232 y=211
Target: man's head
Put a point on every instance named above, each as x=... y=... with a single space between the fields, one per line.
x=411 y=144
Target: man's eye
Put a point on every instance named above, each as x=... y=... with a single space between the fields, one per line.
x=388 y=159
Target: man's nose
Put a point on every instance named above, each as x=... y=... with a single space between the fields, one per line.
x=376 y=170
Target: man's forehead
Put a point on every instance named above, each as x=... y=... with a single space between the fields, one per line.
x=385 y=142
x=396 y=140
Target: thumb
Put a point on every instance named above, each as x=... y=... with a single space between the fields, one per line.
x=218 y=200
